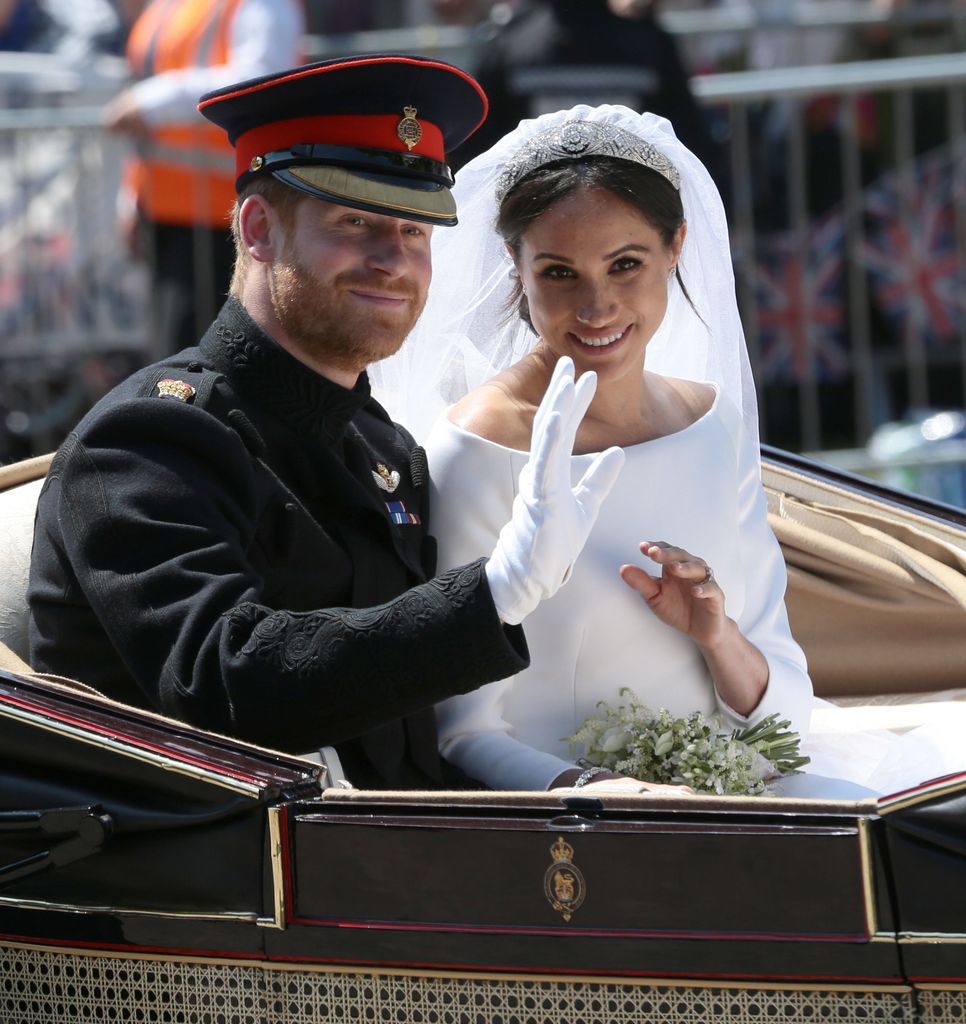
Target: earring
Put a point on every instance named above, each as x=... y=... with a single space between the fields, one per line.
x=513 y=273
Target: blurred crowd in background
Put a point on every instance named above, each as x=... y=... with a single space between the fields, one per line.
x=77 y=29
x=846 y=190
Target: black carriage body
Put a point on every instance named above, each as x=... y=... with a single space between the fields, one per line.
x=157 y=870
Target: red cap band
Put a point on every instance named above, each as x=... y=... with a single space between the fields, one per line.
x=371 y=131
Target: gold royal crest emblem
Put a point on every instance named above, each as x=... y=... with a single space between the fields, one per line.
x=409 y=130
x=563 y=884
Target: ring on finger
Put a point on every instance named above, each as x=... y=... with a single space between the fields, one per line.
x=708 y=577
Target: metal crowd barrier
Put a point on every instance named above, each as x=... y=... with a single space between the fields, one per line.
x=873 y=304
x=72 y=306
x=944 y=21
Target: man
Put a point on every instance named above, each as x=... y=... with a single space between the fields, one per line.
x=237 y=537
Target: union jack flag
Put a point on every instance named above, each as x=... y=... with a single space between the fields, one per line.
x=915 y=275
x=801 y=304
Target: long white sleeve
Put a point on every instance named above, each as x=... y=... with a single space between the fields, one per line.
x=474 y=484
x=763 y=619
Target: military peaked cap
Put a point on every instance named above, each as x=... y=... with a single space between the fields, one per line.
x=371 y=132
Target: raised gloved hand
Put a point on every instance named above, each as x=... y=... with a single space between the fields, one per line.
x=551 y=519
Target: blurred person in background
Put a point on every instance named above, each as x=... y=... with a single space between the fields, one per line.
x=551 y=54
x=464 y=12
x=21 y=23
x=88 y=28
x=175 y=206
x=74 y=30
x=335 y=17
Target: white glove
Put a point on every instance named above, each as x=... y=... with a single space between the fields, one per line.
x=551 y=520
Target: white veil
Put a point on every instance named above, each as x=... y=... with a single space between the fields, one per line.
x=466 y=334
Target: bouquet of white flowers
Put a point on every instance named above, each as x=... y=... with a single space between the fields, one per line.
x=692 y=751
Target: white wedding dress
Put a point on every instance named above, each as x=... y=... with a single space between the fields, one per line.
x=596 y=635
x=699 y=489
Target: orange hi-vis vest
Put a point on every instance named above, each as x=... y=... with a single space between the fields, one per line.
x=184 y=173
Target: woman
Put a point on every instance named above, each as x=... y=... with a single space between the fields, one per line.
x=596 y=254
x=611 y=246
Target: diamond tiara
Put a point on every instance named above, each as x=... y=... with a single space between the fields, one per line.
x=583 y=138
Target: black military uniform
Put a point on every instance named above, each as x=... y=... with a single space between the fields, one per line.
x=236 y=541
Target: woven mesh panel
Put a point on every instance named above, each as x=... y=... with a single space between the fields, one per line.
x=55 y=988
x=947 y=1007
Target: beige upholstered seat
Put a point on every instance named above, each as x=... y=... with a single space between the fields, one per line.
x=876 y=594
x=20 y=486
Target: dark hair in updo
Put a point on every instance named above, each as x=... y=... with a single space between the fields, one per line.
x=649 y=192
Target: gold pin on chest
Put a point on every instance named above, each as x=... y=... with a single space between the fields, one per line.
x=386 y=479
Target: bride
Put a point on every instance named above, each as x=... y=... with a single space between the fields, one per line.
x=594 y=234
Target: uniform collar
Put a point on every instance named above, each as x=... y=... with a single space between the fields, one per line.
x=277 y=381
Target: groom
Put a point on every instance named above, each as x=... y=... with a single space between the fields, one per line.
x=238 y=537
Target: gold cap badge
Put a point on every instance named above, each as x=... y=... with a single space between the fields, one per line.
x=409 y=130
x=257 y=163
x=180 y=389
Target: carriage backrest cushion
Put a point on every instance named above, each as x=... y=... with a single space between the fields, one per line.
x=20 y=487
x=876 y=593
x=17 y=508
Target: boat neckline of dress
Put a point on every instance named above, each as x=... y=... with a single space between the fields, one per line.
x=589 y=455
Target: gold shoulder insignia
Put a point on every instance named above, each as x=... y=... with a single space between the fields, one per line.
x=179 y=389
